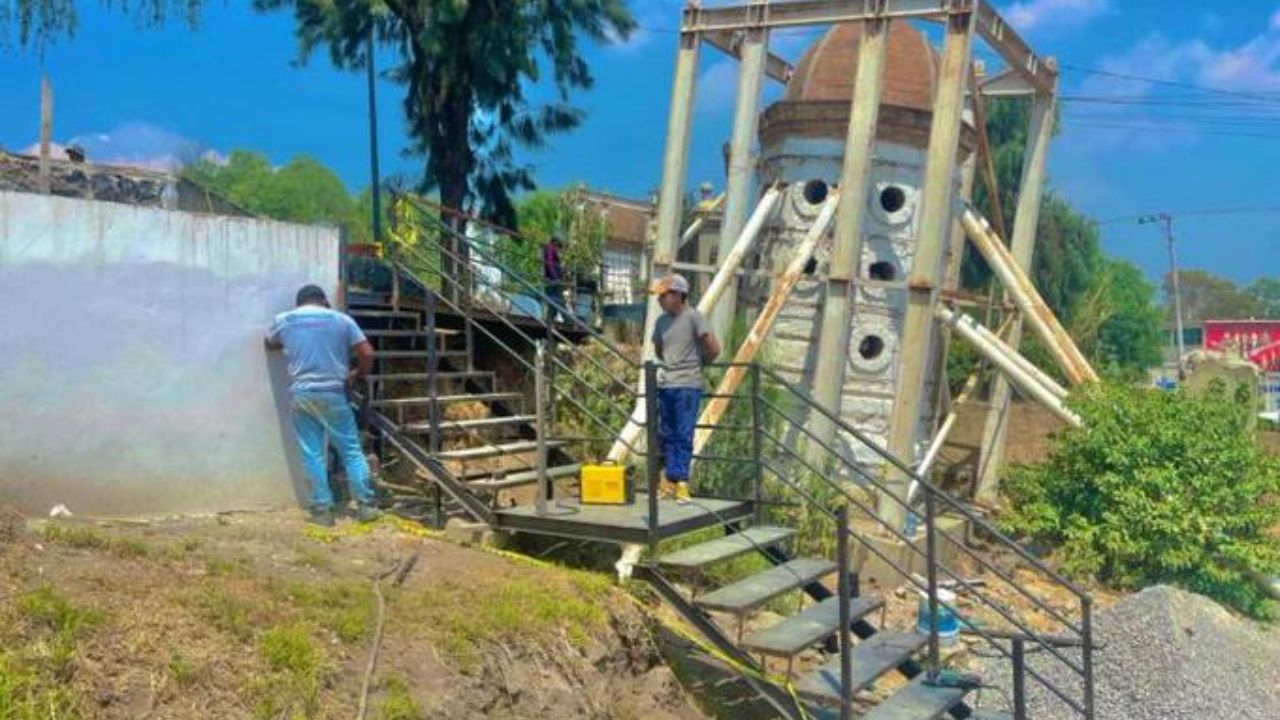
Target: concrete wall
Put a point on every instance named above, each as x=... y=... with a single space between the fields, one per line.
x=132 y=372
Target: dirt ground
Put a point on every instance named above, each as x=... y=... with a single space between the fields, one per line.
x=261 y=616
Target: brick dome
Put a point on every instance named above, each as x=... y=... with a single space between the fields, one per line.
x=827 y=70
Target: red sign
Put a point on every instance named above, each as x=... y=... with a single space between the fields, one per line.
x=1255 y=340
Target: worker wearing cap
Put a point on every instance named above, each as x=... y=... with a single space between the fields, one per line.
x=318 y=344
x=683 y=342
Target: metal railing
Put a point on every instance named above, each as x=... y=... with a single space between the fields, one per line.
x=781 y=475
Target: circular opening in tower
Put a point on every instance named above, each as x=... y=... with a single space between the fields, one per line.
x=815 y=192
x=882 y=270
x=892 y=199
x=871 y=347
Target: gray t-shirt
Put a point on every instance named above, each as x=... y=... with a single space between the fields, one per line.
x=681 y=348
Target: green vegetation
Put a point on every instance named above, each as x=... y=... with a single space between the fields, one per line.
x=292 y=688
x=467 y=70
x=79 y=536
x=301 y=191
x=397 y=702
x=34 y=679
x=1106 y=304
x=460 y=617
x=1206 y=296
x=1159 y=487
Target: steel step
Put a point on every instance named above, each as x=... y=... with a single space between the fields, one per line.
x=526 y=477
x=415 y=354
x=408 y=333
x=446 y=399
x=488 y=451
x=990 y=715
x=808 y=627
x=385 y=314
x=451 y=375
x=872 y=658
x=752 y=592
x=477 y=424
x=727 y=547
x=918 y=701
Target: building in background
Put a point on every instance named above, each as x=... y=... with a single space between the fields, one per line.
x=624 y=258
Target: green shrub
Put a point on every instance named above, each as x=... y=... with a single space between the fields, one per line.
x=1158 y=487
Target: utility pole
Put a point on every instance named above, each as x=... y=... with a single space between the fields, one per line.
x=373 y=139
x=1166 y=221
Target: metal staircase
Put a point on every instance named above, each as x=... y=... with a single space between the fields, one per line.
x=796 y=505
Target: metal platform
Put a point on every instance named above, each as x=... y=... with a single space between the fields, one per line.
x=621 y=523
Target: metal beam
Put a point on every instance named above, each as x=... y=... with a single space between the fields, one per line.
x=919 y=331
x=1042 y=74
x=813 y=12
x=1025 y=220
x=775 y=67
x=846 y=254
x=741 y=170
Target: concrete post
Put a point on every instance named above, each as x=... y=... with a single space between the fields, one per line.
x=919 y=331
x=675 y=165
x=846 y=253
x=741 y=163
x=1023 y=245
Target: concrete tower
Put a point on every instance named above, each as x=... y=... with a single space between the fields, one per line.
x=802 y=139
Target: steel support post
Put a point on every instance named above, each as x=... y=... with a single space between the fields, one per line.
x=540 y=416
x=846 y=252
x=653 y=452
x=931 y=571
x=754 y=50
x=1022 y=246
x=919 y=331
x=1019 y=660
x=757 y=443
x=844 y=592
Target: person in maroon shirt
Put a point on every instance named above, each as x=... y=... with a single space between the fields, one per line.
x=553 y=277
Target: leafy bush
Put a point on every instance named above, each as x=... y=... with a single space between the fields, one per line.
x=1158 y=487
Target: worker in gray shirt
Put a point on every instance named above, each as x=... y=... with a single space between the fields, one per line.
x=683 y=341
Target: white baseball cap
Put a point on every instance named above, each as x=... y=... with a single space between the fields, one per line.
x=671 y=283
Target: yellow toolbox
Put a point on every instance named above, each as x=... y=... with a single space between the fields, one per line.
x=606 y=484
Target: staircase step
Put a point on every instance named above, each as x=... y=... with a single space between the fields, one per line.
x=408 y=333
x=918 y=701
x=447 y=399
x=729 y=546
x=385 y=314
x=451 y=375
x=990 y=715
x=527 y=477
x=488 y=451
x=815 y=624
x=752 y=592
x=872 y=658
x=476 y=424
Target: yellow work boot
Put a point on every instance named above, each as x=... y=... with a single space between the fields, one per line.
x=666 y=489
x=682 y=493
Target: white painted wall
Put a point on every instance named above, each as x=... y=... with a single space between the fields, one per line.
x=133 y=378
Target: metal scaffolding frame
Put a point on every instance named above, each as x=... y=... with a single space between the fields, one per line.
x=742 y=31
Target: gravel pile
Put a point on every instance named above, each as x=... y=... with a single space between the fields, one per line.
x=1168 y=655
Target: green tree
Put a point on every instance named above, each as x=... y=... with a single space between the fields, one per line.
x=1158 y=487
x=1206 y=296
x=303 y=191
x=467 y=69
x=1266 y=293
x=1129 y=335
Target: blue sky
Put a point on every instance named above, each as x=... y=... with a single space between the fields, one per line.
x=156 y=97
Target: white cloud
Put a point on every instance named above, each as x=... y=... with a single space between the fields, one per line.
x=1028 y=15
x=136 y=144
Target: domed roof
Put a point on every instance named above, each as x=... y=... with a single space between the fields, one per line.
x=827 y=70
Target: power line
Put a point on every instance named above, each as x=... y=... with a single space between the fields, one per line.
x=1247 y=210
x=1170 y=128
x=1171 y=83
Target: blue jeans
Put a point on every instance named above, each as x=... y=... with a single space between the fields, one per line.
x=678 y=413
x=320 y=418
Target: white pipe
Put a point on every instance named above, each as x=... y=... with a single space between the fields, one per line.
x=998 y=354
x=754 y=340
x=630 y=434
x=1027 y=366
